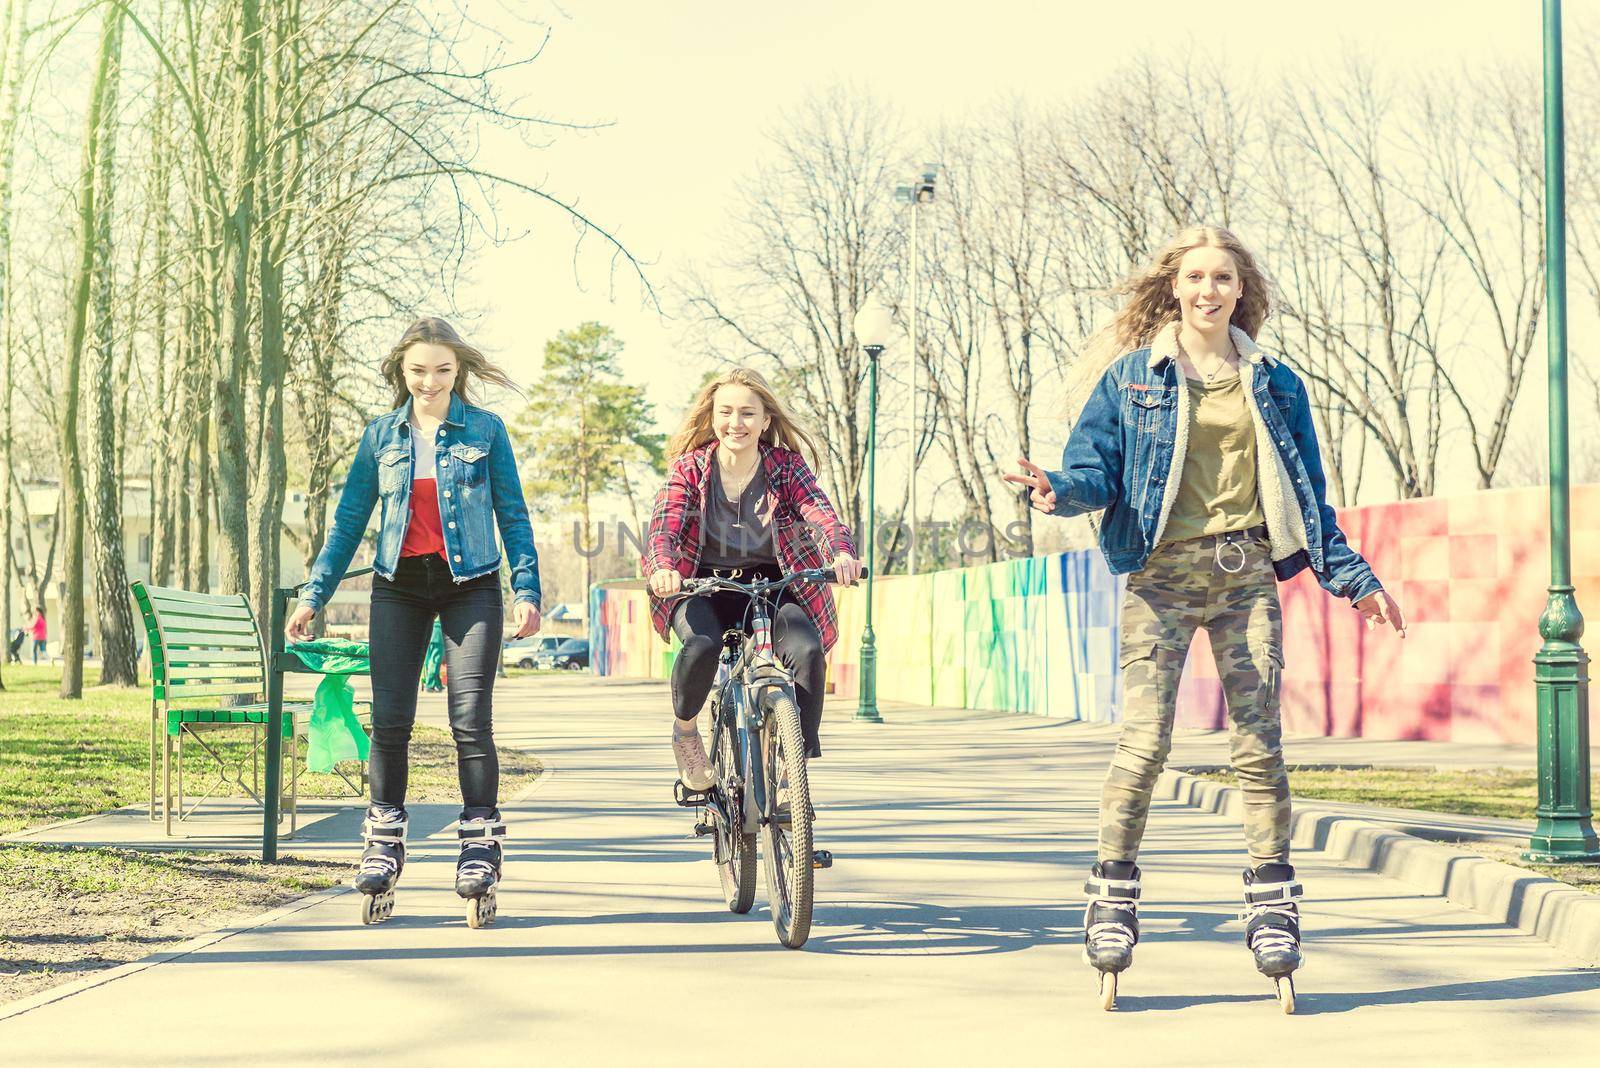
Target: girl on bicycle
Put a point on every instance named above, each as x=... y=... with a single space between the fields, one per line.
x=1199 y=448
x=741 y=502
x=445 y=475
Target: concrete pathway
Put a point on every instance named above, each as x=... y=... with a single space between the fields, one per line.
x=947 y=932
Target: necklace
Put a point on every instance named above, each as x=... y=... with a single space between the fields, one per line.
x=1207 y=376
x=734 y=494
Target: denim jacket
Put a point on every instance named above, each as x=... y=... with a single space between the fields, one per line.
x=1125 y=455
x=478 y=490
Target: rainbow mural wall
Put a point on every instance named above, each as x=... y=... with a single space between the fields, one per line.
x=1040 y=635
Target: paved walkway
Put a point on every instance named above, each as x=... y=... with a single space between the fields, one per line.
x=947 y=932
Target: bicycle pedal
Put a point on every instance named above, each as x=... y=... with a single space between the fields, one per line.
x=821 y=858
x=703 y=829
x=689 y=798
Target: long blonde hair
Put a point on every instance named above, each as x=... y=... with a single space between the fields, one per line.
x=782 y=432
x=469 y=361
x=1150 y=305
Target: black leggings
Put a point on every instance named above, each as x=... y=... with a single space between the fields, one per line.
x=403 y=611
x=699 y=623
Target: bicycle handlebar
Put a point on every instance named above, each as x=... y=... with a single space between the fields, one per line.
x=695 y=587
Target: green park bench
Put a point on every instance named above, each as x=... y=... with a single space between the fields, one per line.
x=208 y=673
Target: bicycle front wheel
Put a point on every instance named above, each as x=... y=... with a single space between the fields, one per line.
x=735 y=850
x=786 y=851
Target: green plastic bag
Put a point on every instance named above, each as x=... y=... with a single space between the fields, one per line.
x=334 y=733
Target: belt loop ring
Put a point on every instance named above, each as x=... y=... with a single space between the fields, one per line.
x=1243 y=558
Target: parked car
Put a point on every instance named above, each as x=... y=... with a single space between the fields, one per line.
x=570 y=655
x=525 y=652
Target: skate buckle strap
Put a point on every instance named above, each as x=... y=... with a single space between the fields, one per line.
x=481 y=829
x=1259 y=893
x=383 y=832
x=1115 y=889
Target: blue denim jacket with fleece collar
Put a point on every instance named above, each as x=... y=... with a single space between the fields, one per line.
x=478 y=489
x=1125 y=455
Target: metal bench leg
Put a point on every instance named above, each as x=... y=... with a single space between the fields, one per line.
x=294 y=780
x=154 y=756
x=166 y=771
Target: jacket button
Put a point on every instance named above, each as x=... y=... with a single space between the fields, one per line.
x=458 y=559
x=443 y=464
x=452 y=526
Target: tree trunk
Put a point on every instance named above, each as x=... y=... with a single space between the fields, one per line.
x=72 y=502
x=15 y=31
x=238 y=227
x=118 y=666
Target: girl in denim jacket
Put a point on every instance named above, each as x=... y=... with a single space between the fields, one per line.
x=444 y=474
x=1198 y=449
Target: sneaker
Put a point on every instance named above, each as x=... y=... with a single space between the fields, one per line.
x=694 y=767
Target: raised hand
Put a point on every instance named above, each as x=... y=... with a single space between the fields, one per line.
x=1043 y=497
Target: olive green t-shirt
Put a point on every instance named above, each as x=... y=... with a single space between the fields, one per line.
x=1218 y=488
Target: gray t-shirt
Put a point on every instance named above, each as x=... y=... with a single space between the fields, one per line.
x=738 y=533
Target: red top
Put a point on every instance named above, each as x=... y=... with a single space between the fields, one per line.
x=425 y=533
x=38 y=628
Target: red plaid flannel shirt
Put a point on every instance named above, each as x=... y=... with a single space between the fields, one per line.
x=805 y=523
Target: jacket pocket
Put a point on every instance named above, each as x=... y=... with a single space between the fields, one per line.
x=392 y=469
x=472 y=463
x=1144 y=407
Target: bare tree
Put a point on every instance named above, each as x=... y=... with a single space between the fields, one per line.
x=813 y=235
x=1370 y=265
x=1482 y=154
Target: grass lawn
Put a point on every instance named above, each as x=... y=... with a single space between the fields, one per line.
x=68 y=911
x=1499 y=792
x=63 y=759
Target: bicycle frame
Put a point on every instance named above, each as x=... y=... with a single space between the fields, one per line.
x=746 y=672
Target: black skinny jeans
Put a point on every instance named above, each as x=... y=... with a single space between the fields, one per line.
x=699 y=623
x=403 y=611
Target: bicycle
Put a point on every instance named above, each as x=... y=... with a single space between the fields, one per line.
x=758 y=751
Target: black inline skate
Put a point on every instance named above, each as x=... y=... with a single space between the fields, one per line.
x=478 y=868
x=1111 y=923
x=1272 y=925
x=384 y=831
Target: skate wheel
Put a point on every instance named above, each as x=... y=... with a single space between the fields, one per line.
x=1286 y=995
x=481 y=910
x=375 y=908
x=1108 y=990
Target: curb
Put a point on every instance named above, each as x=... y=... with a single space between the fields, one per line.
x=12 y=1009
x=1561 y=915
x=122 y=971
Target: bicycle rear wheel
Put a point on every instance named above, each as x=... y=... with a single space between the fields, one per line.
x=786 y=851
x=733 y=849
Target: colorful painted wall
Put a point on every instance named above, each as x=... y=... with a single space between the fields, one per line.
x=1040 y=635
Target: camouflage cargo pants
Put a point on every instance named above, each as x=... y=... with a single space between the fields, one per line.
x=1185 y=586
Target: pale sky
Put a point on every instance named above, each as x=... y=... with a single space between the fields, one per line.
x=691 y=89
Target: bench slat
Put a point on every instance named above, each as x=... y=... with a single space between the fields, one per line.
x=220 y=673
x=182 y=690
x=212 y=624
x=172 y=593
x=195 y=657
x=206 y=640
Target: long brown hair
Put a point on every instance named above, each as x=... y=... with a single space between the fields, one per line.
x=783 y=431
x=1150 y=305
x=469 y=361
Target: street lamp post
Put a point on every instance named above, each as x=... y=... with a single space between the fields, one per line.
x=872 y=324
x=1564 y=832
x=919 y=192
